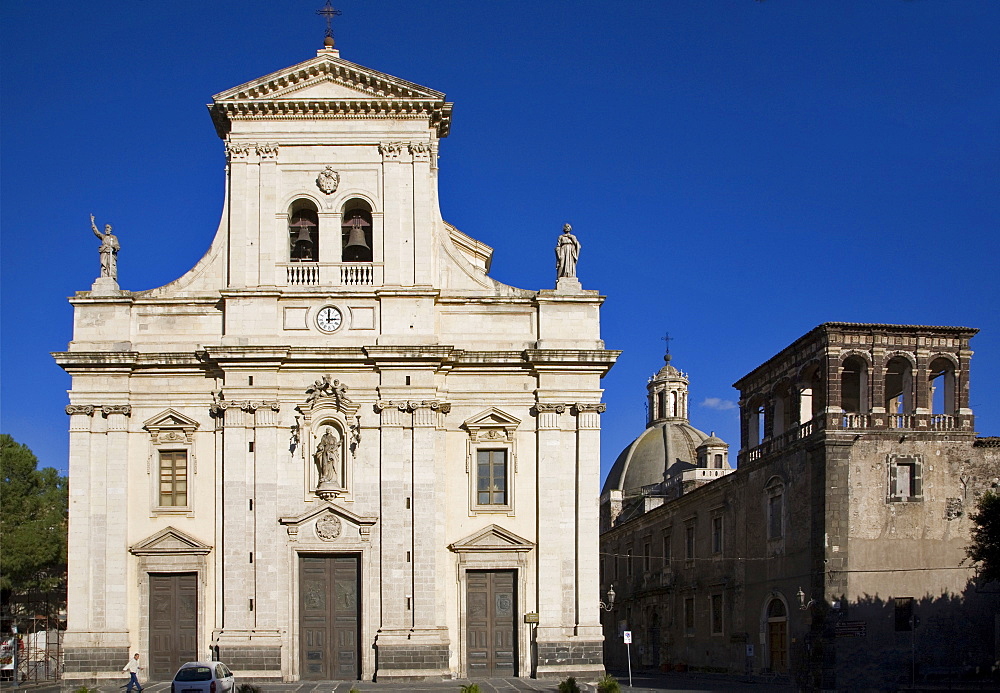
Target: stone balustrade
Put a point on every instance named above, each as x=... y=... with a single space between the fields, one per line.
x=331 y=273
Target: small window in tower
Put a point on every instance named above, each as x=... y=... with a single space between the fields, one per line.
x=718 y=461
x=356 y=232
x=905 y=484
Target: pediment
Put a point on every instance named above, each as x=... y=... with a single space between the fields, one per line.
x=169 y=541
x=327 y=76
x=492 y=418
x=363 y=521
x=170 y=418
x=493 y=538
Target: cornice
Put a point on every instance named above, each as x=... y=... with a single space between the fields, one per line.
x=438 y=113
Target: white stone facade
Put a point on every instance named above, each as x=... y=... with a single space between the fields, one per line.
x=233 y=372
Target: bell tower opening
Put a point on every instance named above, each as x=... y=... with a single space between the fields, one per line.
x=303 y=232
x=356 y=232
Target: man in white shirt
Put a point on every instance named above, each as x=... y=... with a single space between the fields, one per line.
x=133 y=669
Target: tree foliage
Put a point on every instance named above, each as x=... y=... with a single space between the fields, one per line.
x=984 y=551
x=34 y=504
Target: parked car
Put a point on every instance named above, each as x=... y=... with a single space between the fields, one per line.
x=203 y=677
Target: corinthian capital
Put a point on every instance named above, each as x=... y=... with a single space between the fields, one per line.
x=238 y=150
x=267 y=150
x=390 y=150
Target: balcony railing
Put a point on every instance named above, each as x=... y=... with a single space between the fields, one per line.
x=331 y=273
x=857 y=422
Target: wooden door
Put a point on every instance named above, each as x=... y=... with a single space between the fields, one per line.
x=173 y=623
x=490 y=624
x=329 y=618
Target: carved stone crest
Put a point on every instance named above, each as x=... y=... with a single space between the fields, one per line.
x=328 y=527
x=328 y=180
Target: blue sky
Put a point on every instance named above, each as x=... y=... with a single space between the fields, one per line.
x=737 y=171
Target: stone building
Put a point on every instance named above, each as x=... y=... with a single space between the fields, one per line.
x=335 y=448
x=844 y=523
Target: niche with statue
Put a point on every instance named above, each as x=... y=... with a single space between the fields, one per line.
x=329 y=432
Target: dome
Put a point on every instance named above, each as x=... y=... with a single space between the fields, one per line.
x=713 y=442
x=669 y=445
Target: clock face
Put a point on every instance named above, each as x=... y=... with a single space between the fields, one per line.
x=328 y=319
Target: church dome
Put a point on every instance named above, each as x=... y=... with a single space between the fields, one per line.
x=668 y=446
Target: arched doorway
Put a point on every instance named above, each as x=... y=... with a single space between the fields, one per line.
x=777 y=636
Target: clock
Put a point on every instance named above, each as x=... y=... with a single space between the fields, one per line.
x=329 y=319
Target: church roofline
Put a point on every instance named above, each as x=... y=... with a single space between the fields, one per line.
x=381 y=96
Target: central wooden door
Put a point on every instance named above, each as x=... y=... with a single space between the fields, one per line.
x=329 y=618
x=173 y=623
x=490 y=624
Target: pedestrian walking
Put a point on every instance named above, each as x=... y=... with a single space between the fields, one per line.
x=133 y=670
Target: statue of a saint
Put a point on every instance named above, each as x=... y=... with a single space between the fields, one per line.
x=327 y=457
x=109 y=250
x=567 y=253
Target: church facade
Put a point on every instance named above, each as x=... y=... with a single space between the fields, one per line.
x=335 y=448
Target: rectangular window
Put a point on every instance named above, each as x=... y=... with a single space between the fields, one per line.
x=645 y=557
x=628 y=563
x=689 y=542
x=716 y=614
x=688 y=615
x=173 y=478
x=718 y=461
x=774 y=510
x=904 y=613
x=717 y=534
x=491 y=477
x=904 y=479
x=666 y=550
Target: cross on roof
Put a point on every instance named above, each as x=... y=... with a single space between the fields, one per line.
x=329 y=13
x=667 y=338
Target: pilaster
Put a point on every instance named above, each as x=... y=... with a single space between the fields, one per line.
x=588 y=475
x=118 y=503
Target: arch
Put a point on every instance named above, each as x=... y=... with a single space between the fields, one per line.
x=812 y=391
x=943 y=395
x=357 y=240
x=854 y=384
x=775 y=617
x=783 y=412
x=303 y=231
x=899 y=384
x=753 y=414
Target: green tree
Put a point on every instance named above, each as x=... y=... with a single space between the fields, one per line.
x=984 y=551
x=34 y=505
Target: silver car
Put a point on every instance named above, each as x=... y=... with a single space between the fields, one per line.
x=203 y=677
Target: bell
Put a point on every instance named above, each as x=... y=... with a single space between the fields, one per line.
x=357 y=240
x=357 y=248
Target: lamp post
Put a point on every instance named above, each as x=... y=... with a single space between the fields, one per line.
x=611 y=600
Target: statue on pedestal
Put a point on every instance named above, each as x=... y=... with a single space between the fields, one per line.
x=109 y=250
x=567 y=253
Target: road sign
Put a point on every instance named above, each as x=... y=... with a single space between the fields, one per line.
x=628 y=637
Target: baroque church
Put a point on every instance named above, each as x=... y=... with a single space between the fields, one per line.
x=335 y=448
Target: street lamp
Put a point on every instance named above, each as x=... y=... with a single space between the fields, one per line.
x=611 y=600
